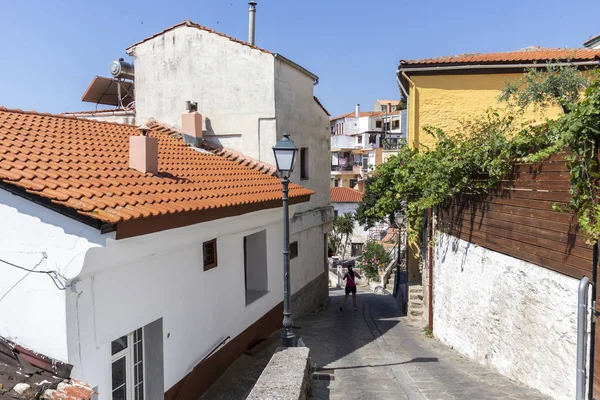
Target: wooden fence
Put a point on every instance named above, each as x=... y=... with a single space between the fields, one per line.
x=517 y=219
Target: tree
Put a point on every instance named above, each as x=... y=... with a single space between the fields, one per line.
x=343 y=226
x=558 y=85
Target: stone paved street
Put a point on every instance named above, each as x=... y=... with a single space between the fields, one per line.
x=374 y=354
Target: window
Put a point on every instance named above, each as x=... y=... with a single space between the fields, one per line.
x=128 y=367
x=365 y=163
x=335 y=213
x=353 y=182
x=304 y=163
x=336 y=182
x=293 y=250
x=372 y=139
x=396 y=124
x=359 y=138
x=209 y=251
x=386 y=126
x=356 y=249
x=255 y=266
x=378 y=124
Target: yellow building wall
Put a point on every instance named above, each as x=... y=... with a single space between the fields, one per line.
x=447 y=101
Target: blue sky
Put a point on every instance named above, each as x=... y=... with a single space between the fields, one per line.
x=51 y=49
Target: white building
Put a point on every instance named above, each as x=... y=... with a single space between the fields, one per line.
x=362 y=140
x=593 y=42
x=248 y=97
x=345 y=201
x=134 y=272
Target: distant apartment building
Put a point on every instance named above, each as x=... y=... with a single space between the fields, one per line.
x=361 y=140
x=593 y=42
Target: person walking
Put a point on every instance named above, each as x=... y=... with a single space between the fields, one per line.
x=350 y=278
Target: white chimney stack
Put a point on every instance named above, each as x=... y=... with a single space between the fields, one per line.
x=251 y=21
x=357 y=115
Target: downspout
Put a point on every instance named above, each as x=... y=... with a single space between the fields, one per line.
x=593 y=322
x=594 y=312
x=430 y=283
x=582 y=315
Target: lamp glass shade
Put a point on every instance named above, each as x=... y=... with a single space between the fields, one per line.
x=285 y=155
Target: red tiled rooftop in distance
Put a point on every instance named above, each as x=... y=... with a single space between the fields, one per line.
x=536 y=55
x=84 y=165
x=345 y=195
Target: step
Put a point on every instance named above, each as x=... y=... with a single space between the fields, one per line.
x=415 y=291
x=415 y=313
x=415 y=303
x=415 y=296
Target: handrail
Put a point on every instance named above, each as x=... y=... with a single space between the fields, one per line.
x=582 y=316
x=221 y=343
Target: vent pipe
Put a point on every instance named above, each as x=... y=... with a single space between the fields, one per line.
x=357 y=113
x=251 y=21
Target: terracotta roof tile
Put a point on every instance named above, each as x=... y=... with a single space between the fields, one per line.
x=89 y=169
x=197 y=26
x=345 y=195
x=535 y=54
x=362 y=114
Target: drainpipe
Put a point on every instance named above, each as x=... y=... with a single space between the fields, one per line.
x=430 y=291
x=405 y=91
x=593 y=322
x=582 y=315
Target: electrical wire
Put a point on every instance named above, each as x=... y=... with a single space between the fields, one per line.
x=52 y=274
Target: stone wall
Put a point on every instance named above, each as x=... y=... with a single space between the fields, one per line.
x=286 y=377
x=312 y=296
x=511 y=315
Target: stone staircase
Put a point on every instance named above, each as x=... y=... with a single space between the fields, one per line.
x=415 y=302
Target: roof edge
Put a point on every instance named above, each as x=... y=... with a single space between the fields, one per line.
x=190 y=24
x=47 y=114
x=592 y=40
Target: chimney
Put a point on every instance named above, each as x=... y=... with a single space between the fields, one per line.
x=357 y=113
x=251 y=21
x=191 y=127
x=143 y=151
x=389 y=109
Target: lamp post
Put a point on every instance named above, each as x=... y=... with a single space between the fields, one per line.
x=285 y=155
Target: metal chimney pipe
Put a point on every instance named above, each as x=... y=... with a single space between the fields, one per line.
x=357 y=113
x=251 y=21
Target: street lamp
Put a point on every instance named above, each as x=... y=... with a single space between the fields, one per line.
x=285 y=155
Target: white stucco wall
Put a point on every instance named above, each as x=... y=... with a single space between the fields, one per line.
x=135 y=281
x=360 y=235
x=232 y=84
x=32 y=309
x=517 y=317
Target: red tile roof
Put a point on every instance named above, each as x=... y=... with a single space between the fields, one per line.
x=534 y=55
x=109 y=111
x=345 y=195
x=197 y=26
x=362 y=114
x=321 y=105
x=84 y=165
x=230 y=154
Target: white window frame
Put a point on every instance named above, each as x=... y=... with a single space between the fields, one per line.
x=128 y=354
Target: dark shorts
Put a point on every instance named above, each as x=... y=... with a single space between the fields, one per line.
x=350 y=289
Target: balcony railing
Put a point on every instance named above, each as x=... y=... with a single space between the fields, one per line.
x=345 y=168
